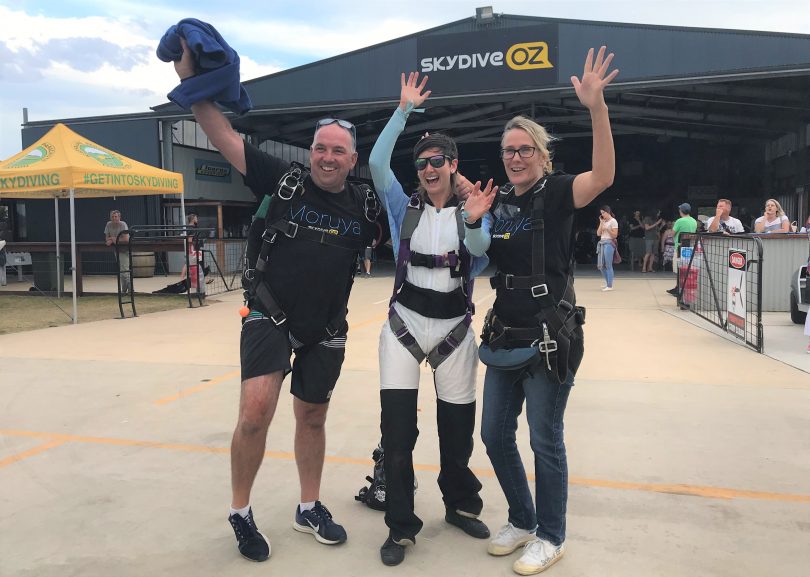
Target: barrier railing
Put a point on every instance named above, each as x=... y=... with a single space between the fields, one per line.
x=219 y=266
x=720 y=280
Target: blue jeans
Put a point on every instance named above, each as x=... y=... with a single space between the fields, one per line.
x=504 y=395
x=604 y=261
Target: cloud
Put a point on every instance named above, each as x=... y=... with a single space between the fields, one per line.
x=80 y=54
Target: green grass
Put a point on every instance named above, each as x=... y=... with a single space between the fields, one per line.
x=27 y=313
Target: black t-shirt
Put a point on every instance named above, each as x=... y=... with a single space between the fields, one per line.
x=511 y=246
x=310 y=281
x=636 y=229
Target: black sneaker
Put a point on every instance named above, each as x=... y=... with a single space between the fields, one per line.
x=252 y=544
x=393 y=551
x=673 y=291
x=318 y=522
x=472 y=526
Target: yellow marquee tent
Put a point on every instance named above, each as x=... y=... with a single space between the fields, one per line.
x=62 y=160
x=64 y=164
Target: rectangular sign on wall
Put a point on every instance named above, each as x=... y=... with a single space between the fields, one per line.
x=521 y=57
x=212 y=170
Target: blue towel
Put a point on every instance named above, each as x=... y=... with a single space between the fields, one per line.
x=217 y=66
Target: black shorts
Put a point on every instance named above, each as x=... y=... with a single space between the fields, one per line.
x=265 y=348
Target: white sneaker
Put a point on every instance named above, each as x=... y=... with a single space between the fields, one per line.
x=538 y=556
x=509 y=539
x=607 y=288
x=603 y=285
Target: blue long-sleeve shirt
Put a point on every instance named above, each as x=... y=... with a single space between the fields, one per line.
x=390 y=190
x=217 y=64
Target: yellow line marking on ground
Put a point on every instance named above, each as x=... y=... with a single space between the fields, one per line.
x=689 y=490
x=197 y=388
x=30 y=452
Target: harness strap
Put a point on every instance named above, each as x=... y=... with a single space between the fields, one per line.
x=400 y=330
x=450 y=343
x=534 y=283
x=437 y=354
x=293 y=230
x=269 y=305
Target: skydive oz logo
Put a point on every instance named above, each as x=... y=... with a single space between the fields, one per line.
x=523 y=56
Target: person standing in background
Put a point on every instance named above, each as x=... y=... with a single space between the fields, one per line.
x=111 y=231
x=607 y=231
x=685 y=224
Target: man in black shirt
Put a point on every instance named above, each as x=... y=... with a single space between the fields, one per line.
x=310 y=281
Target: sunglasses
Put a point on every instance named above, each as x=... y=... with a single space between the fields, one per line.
x=435 y=161
x=342 y=123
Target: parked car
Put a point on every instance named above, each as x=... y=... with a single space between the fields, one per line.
x=799 y=297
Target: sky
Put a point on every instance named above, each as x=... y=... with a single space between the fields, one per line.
x=75 y=58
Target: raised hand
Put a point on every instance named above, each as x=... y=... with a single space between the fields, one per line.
x=185 y=66
x=479 y=201
x=412 y=90
x=590 y=89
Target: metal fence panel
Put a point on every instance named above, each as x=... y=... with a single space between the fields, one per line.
x=704 y=287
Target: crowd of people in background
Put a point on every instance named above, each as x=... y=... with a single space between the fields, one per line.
x=646 y=237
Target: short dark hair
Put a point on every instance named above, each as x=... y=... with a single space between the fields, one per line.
x=442 y=143
x=439 y=141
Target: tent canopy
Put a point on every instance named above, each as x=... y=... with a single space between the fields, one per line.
x=63 y=160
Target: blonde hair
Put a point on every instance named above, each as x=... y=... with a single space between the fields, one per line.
x=779 y=211
x=539 y=135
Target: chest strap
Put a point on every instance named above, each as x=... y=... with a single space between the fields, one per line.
x=294 y=230
x=449 y=260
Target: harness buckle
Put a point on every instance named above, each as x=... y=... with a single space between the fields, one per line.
x=291 y=226
x=508 y=281
x=280 y=319
x=539 y=290
x=546 y=346
x=371 y=206
x=268 y=236
x=291 y=184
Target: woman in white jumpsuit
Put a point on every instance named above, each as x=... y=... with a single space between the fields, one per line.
x=431 y=304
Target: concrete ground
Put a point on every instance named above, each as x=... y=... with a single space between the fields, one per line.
x=688 y=453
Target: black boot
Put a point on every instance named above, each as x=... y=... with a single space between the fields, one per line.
x=393 y=551
x=399 y=437
x=459 y=485
x=472 y=526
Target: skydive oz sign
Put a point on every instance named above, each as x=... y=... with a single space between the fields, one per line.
x=490 y=60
